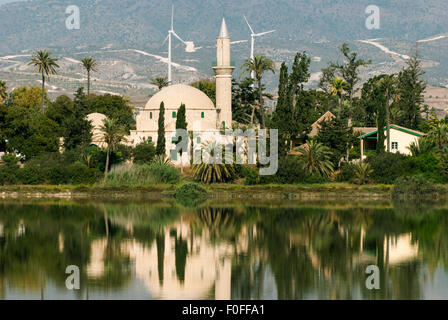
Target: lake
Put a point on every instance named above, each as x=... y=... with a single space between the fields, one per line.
x=137 y=249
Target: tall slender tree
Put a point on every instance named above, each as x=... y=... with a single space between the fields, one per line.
x=388 y=85
x=3 y=89
x=161 y=142
x=349 y=70
x=46 y=65
x=91 y=65
x=112 y=134
x=181 y=123
x=411 y=86
x=283 y=114
x=259 y=64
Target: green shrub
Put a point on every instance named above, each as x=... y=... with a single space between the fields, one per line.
x=30 y=175
x=11 y=161
x=346 y=173
x=144 y=152
x=363 y=171
x=190 y=194
x=163 y=173
x=291 y=171
x=428 y=165
x=138 y=175
x=7 y=177
x=387 y=167
x=414 y=187
x=251 y=175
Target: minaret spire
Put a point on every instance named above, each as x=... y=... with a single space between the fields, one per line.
x=223 y=72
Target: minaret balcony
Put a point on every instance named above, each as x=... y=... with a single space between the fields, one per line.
x=215 y=64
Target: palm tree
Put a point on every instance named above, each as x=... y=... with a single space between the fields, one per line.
x=424 y=145
x=439 y=135
x=160 y=82
x=112 y=134
x=317 y=159
x=91 y=65
x=46 y=65
x=337 y=88
x=388 y=84
x=259 y=65
x=213 y=172
x=3 y=93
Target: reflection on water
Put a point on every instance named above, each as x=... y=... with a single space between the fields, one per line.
x=161 y=250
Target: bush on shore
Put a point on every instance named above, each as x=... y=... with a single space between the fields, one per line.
x=414 y=187
x=139 y=175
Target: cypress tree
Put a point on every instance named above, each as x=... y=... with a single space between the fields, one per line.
x=411 y=87
x=161 y=150
x=283 y=115
x=181 y=123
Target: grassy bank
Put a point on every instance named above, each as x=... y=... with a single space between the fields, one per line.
x=217 y=191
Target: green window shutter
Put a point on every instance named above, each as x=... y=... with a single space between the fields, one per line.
x=150 y=139
x=223 y=124
x=202 y=115
x=199 y=140
x=150 y=115
x=174 y=114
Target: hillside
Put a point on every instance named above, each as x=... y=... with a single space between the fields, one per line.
x=126 y=37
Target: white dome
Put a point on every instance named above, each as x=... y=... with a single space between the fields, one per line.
x=96 y=119
x=173 y=96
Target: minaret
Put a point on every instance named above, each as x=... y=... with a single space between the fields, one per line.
x=223 y=72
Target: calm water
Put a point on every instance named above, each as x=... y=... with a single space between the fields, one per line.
x=278 y=250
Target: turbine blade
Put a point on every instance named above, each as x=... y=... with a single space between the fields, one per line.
x=172 y=17
x=252 y=30
x=180 y=39
x=166 y=39
x=239 y=41
x=263 y=33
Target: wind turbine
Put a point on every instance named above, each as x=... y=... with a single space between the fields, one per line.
x=252 y=47
x=189 y=45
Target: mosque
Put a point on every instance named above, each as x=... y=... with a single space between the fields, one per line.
x=202 y=115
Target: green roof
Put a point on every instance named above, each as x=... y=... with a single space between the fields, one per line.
x=410 y=131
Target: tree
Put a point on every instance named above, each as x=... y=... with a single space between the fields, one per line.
x=410 y=89
x=283 y=116
x=30 y=132
x=259 y=65
x=317 y=159
x=160 y=82
x=327 y=77
x=113 y=106
x=388 y=85
x=112 y=134
x=336 y=135
x=91 y=65
x=46 y=65
x=3 y=93
x=161 y=143
x=374 y=97
x=208 y=87
x=299 y=76
x=27 y=97
x=144 y=152
x=76 y=129
x=181 y=123
x=349 y=70
x=243 y=101
x=337 y=88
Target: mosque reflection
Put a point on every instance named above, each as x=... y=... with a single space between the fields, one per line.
x=221 y=252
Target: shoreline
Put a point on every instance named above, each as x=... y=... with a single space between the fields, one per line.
x=216 y=191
